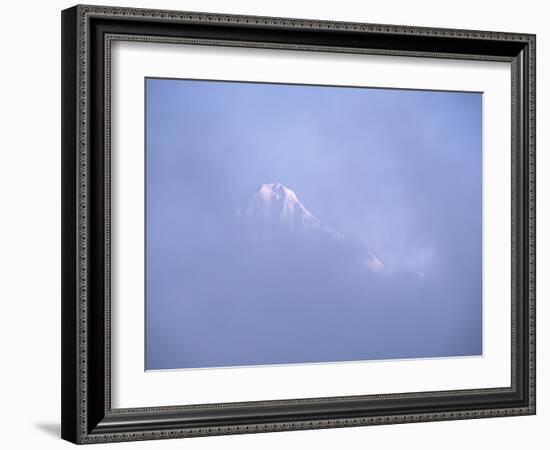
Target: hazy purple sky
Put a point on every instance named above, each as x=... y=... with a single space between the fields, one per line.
x=399 y=170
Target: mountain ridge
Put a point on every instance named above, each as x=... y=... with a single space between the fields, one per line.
x=275 y=206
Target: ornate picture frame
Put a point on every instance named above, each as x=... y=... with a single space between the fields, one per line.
x=88 y=414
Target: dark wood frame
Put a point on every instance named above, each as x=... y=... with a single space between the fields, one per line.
x=87 y=416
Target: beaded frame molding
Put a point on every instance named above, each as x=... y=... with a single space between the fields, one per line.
x=87 y=35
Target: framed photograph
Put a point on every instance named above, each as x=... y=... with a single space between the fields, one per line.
x=275 y=224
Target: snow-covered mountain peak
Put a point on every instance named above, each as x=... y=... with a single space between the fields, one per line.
x=274 y=209
x=274 y=203
x=276 y=191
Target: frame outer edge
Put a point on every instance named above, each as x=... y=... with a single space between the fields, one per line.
x=297 y=23
x=82 y=150
x=69 y=313
x=532 y=142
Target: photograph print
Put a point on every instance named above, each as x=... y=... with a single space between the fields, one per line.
x=299 y=224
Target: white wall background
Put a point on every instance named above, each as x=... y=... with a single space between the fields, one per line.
x=30 y=223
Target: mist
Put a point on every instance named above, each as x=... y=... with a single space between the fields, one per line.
x=397 y=172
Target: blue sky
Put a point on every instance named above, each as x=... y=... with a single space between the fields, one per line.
x=399 y=170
